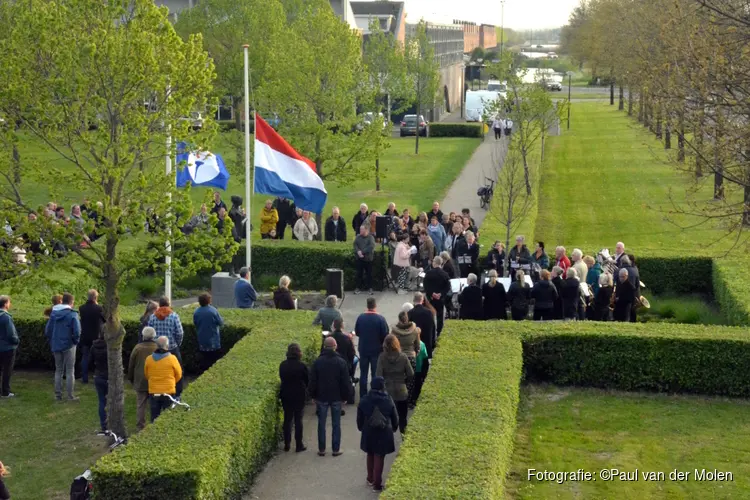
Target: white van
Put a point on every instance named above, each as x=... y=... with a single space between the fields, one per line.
x=496 y=86
x=476 y=101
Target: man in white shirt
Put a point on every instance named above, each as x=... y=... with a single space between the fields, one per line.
x=508 y=126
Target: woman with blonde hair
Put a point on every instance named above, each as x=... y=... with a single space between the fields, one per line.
x=395 y=368
x=282 y=296
x=495 y=299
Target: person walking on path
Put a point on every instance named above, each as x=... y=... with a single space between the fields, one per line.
x=63 y=331
x=293 y=392
x=395 y=368
x=9 y=341
x=423 y=365
x=345 y=349
x=167 y=324
x=98 y=363
x=92 y=321
x=136 y=374
x=377 y=419
x=371 y=328
x=208 y=323
x=163 y=372
x=330 y=385
x=407 y=333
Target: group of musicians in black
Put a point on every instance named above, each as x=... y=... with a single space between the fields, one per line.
x=579 y=287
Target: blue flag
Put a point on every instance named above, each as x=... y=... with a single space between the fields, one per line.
x=201 y=168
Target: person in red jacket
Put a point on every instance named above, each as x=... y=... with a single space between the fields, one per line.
x=562 y=260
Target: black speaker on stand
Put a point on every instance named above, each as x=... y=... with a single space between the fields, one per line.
x=335 y=282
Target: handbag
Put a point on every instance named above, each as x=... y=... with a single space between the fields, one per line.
x=377 y=420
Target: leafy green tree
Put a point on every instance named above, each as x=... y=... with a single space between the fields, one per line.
x=385 y=68
x=422 y=67
x=320 y=80
x=102 y=85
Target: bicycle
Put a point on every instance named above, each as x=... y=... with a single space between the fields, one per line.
x=83 y=486
x=485 y=193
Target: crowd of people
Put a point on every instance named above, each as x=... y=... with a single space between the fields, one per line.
x=395 y=361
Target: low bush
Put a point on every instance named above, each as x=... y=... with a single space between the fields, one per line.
x=455 y=130
x=663 y=357
x=676 y=275
x=460 y=439
x=732 y=290
x=212 y=451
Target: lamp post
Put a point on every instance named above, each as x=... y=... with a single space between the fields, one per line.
x=570 y=74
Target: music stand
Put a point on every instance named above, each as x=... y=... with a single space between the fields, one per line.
x=387 y=282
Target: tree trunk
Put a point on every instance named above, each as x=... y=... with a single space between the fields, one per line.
x=667 y=133
x=630 y=101
x=658 y=130
x=621 y=104
x=377 y=174
x=114 y=334
x=681 y=137
x=640 y=106
x=612 y=92
x=718 y=176
x=526 y=172
x=16 y=164
x=699 y=148
x=542 y=146
x=746 y=214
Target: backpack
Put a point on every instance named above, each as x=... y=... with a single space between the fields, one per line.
x=377 y=420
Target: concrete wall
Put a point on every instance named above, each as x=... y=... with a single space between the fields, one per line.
x=488 y=36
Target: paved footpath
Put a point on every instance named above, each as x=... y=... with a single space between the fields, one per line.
x=483 y=163
x=291 y=476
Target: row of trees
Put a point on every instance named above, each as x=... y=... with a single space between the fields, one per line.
x=685 y=67
x=102 y=87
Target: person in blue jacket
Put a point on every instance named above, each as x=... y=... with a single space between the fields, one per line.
x=244 y=293
x=63 y=331
x=208 y=323
x=8 y=344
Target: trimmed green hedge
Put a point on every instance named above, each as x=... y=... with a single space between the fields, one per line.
x=677 y=275
x=34 y=352
x=213 y=450
x=455 y=130
x=633 y=357
x=460 y=439
x=732 y=290
x=306 y=263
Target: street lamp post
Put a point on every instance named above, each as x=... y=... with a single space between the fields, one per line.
x=570 y=74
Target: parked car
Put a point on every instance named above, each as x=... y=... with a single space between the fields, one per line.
x=409 y=126
x=553 y=86
x=367 y=119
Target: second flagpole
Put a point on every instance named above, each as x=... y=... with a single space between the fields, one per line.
x=248 y=230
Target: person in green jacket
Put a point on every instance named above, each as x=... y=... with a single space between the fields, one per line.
x=423 y=366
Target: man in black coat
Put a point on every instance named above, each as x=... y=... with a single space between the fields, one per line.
x=286 y=211
x=293 y=393
x=557 y=280
x=436 y=212
x=92 y=320
x=359 y=218
x=471 y=300
x=627 y=262
x=218 y=203
x=467 y=255
x=330 y=385
x=422 y=317
x=570 y=293
x=345 y=349
x=437 y=286
x=624 y=297
x=335 y=229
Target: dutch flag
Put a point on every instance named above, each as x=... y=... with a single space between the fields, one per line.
x=281 y=171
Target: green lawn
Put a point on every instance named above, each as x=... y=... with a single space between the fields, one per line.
x=409 y=180
x=46 y=444
x=607 y=180
x=566 y=429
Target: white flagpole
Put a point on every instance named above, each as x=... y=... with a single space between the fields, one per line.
x=168 y=258
x=248 y=200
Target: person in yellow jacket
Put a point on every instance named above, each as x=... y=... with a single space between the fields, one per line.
x=163 y=371
x=269 y=216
